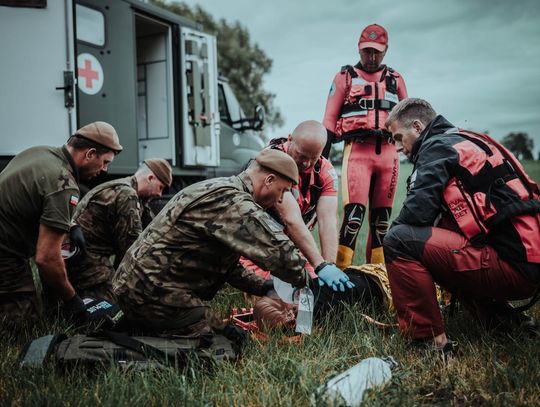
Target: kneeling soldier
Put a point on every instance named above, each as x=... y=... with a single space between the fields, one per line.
x=110 y=218
x=192 y=247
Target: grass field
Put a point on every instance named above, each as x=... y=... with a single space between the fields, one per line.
x=491 y=369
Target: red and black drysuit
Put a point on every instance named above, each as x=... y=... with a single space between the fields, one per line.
x=502 y=264
x=357 y=107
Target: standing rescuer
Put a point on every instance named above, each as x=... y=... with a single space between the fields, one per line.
x=39 y=194
x=110 y=218
x=358 y=104
x=470 y=222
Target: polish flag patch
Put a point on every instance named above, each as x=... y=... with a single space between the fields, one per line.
x=74 y=200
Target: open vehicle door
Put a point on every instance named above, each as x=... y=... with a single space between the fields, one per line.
x=200 y=117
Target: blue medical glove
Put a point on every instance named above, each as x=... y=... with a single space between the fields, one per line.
x=331 y=275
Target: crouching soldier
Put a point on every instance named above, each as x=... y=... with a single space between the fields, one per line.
x=39 y=195
x=192 y=247
x=110 y=218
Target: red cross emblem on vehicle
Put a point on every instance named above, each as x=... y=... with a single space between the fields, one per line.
x=87 y=73
x=90 y=74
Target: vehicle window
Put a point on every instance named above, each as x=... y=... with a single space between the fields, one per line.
x=234 y=109
x=90 y=25
x=223 y=112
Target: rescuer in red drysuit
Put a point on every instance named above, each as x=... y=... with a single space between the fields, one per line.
x=470 y=223
x=357 y=107
x=314 y=198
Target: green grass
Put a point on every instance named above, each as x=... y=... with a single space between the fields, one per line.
x=490 y=370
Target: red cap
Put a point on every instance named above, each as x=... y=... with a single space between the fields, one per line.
x=373 y=36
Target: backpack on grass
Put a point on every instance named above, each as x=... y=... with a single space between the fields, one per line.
x=113 y=348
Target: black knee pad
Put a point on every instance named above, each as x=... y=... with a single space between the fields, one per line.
x=378 y=224
x=353 y=216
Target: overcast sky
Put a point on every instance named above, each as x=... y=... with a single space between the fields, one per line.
x=477 y=62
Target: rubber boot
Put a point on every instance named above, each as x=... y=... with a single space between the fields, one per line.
x=344 y=257
x=377 y=255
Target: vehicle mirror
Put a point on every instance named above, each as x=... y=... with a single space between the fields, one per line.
x=258 y=117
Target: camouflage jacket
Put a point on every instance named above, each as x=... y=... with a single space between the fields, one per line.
x=191 y=249
x=110 y=216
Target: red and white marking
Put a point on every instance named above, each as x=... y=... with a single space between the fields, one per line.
x=90 y=74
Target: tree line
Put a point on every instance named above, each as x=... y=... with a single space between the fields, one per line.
x=520 y=144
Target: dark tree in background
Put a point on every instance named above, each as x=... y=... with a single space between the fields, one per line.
x=242 y=62
x=520 y=144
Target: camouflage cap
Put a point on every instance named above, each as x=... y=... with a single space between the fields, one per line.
x=101 y=133
x=278 y=162
x=161 y=169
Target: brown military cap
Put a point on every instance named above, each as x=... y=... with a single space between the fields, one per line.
x=161 y=169
x=101 y=133
x=278 y=162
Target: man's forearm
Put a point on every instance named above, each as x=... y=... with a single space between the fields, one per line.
x=329 y=241
x=53 y=272
x=304 y=241
x=328 y=231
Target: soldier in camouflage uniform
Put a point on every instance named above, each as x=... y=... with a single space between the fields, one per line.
x=191 y=249
x=39 y=195
x=110 y=217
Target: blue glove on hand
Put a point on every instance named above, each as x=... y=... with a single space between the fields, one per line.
x=330 y=274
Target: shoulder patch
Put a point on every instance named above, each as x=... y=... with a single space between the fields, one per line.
x=74 y=200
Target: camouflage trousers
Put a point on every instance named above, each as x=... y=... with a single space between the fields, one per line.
x=18 y=298
x=156 y=318
x=92 y=276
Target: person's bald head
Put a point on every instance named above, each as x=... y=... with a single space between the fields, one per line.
x=307 y=142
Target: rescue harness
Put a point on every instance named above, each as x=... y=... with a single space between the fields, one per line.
x=360 y=113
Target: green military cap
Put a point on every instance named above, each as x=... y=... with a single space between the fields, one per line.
x=161 y=169
x=278 y=162
x=101 y=133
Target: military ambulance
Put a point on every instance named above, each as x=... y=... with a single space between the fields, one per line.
x=150 y=73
